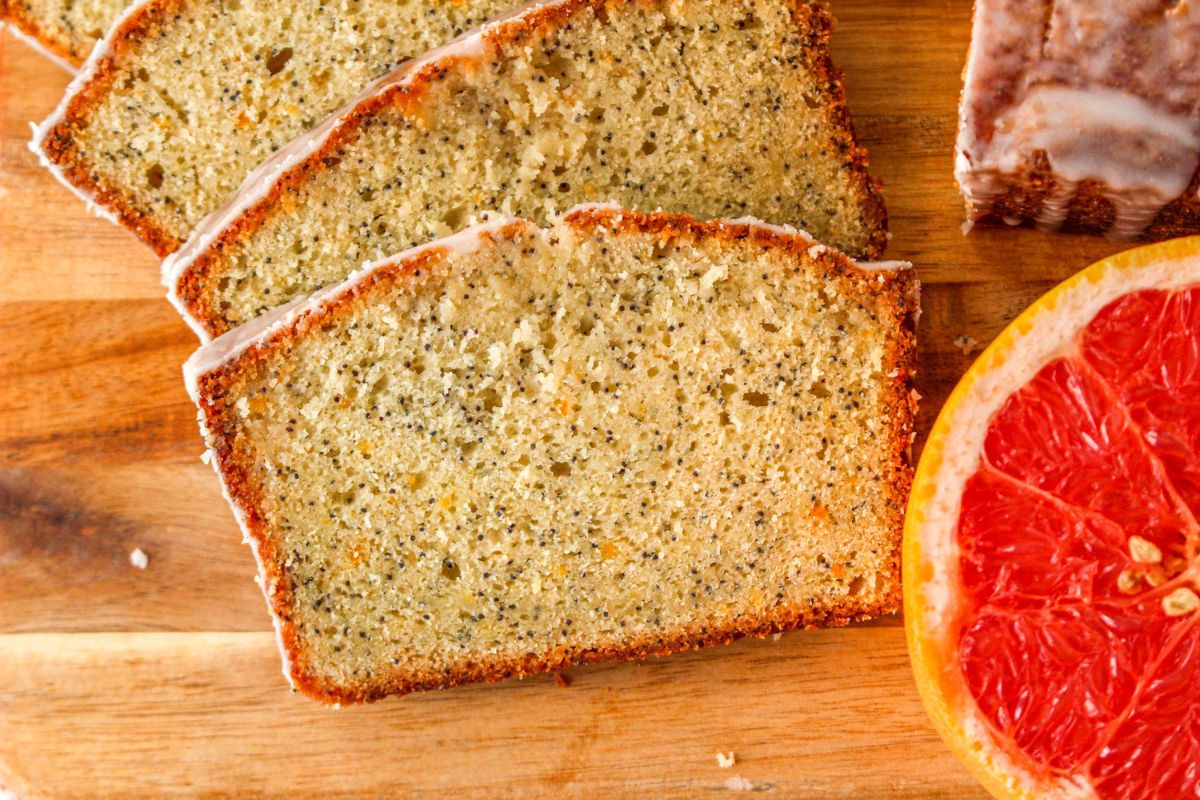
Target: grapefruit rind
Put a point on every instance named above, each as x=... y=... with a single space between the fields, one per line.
x=1047 y=329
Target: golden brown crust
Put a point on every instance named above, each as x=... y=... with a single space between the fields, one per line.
x=564 y=657
x=811 y=17
x=896 y=290
x=1180 y=217
x=816 y=18
x=59 y=144
x=13 y=12
x=1089 y=211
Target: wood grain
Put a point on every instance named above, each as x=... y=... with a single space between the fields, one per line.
x=817 y=714
x=122 y=683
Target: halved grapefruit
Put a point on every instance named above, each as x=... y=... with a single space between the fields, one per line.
x=1051 y=574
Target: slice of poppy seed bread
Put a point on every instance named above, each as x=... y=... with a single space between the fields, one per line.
x=185 y=97
x=64 y=29
x=720 y=108
x=518 y=449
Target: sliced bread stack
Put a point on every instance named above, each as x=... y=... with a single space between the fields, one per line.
x=545 y=439
x=518 y=448
x=717 y=109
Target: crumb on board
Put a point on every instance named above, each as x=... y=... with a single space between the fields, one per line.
x=739 y=784
x=726 y=760
x=775 y=637
x=139 y=559
x=561 y=681
x=967 y=344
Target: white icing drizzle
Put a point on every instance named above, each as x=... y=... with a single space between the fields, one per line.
x=229 y=346
x=256 y=185
x=791 y=230
x=100 y=51
x=782 y=230
x=41 y=49
x=755 y=222
x=232 y=344
x=1109 y=90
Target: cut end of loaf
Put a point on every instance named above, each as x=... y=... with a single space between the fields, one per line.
x=623 y=435
x=1098 y=148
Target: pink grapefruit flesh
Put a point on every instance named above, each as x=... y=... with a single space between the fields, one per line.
x=1077 y=544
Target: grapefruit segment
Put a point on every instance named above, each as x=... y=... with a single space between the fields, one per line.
x=1153 y=752
x=1145 y=346
x=1052 y=582
x=1023 y=549
x=1036 y=674
x=1063 y=433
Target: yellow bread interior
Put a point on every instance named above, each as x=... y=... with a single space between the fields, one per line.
x=575 y=443
x=68 y=28
x=210 y=88
x=718 y=109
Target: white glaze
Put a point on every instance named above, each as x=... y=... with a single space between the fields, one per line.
x=783 y=230
x=790 y=230
x=256 y=186
x=100 y=51
x=1108 y=89
x=229 y=346
x=1145 y=156
x=770 y=227
x=232 y=344
x=38 y=46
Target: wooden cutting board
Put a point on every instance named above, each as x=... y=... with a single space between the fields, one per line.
x=123 y=683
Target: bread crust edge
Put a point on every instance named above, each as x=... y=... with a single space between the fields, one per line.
x=12 y=13
x=897 y=290
x=59 y=145
x=415 y=80
x=1089 y=211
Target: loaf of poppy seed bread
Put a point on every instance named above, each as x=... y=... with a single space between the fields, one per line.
x=716 y=109
x=518 y=449
x=1083 y=116
x=185 y=97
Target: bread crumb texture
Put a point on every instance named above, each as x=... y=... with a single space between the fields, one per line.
x=68 y=28
x=196 y=94
x=614 y=437
x=718 y=109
